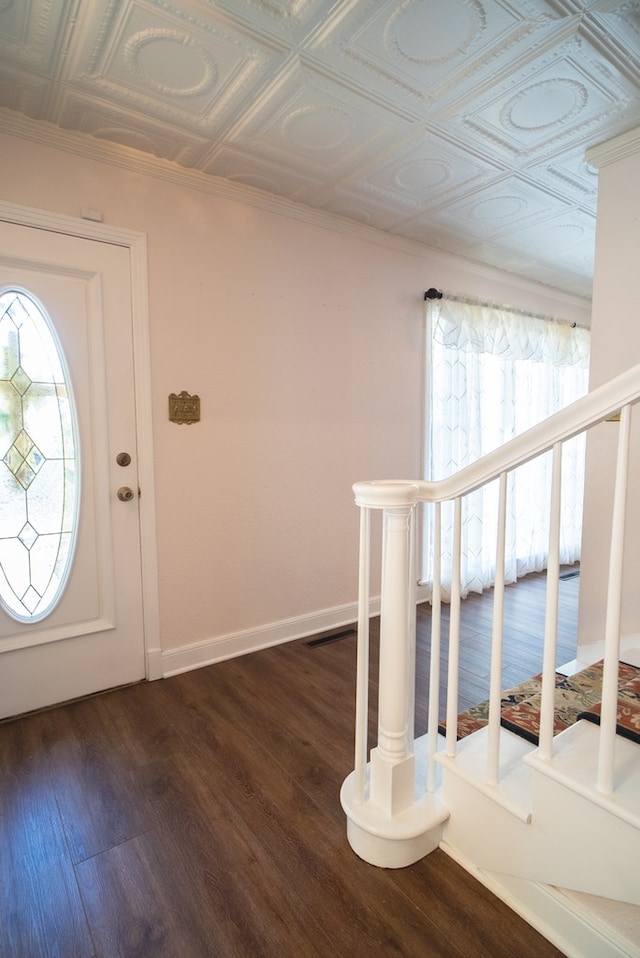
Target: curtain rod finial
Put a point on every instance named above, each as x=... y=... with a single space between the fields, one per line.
x=433 y=293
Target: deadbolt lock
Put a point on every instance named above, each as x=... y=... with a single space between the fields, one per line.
x=125 y=494
x=123 y=459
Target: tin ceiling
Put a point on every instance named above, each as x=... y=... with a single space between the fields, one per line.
x=460 y=124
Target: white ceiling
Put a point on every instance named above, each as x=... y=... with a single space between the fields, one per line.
x=460 y=124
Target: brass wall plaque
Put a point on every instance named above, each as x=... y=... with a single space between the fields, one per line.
x=184 y=408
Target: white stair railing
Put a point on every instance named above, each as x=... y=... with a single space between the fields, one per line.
x=609 y=706
x=393 y=814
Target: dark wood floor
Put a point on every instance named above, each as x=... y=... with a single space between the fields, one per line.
x=199 y=816
x=524 y=615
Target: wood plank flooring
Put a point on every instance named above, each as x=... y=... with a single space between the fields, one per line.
x=199 y=816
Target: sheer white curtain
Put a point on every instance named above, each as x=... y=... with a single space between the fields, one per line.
x=491 y=374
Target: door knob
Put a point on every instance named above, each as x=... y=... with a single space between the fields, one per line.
x=125 y=494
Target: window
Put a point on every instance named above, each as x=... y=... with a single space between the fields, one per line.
x=39 y=470
x=492 y=374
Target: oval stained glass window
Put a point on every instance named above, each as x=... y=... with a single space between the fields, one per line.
x=39 y=466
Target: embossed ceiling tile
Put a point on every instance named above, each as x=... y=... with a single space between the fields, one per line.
x=622 y=25
x=311 y=121
x=351 y=204
x=498 y=208
x=510 y=258
x=564 y=99
x=32 y=33
x=293 y=19
x=420 y=175
x=577 y=260
x=523 y=262
x=432 y=119
x=563 y=234
x=176 y=67
x=261 y=174
x=25 y=93
x=421 y=49
x=116 y=125
x=567 y=245
x=569 y=175
x=430 y=232
x=16 y=19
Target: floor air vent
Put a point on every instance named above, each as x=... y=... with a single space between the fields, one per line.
x=330 y=637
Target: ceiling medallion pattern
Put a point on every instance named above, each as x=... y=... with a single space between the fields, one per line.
x=545 y=105
x=568 y=232
x=126 y=137
x=500 y=208
x=317 y=128
x=291 y=10
x=459 y=123
x=162 y=47
x=434 y=31
x=419 y=175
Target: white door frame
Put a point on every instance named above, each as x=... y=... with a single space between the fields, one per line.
x=136 y=243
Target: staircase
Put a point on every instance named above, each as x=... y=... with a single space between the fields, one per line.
x=553 y=830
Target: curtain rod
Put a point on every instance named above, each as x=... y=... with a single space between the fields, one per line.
x=433 y=293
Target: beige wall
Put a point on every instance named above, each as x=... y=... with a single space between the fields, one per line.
x=305 y=344
x=615 y=346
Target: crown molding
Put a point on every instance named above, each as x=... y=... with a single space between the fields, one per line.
x=101 y=151
x=618 y=148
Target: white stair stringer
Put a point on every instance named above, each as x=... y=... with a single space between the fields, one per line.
x=581 y=926
x=545 y=823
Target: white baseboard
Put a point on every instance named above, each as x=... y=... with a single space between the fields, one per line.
x=576 y=931
x=199 y=654
x=423 y=592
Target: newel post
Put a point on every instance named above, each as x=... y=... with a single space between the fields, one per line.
x=392 y=761
x=388 y=823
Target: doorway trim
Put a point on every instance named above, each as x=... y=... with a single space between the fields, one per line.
x=136 y=243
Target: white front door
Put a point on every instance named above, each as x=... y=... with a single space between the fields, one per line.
x=93 y=638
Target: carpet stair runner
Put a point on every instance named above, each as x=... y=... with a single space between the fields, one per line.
x=576 y=697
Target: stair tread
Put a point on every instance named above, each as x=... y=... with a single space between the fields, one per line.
x=514 y=788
